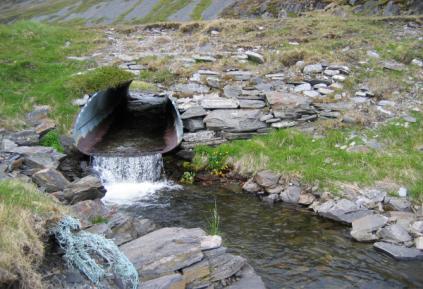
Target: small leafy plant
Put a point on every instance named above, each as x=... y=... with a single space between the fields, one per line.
x=217 y=163
x=188 y=178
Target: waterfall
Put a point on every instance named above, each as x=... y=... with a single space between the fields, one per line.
x=130 y=179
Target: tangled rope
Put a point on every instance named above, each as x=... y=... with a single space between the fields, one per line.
x=94 y=255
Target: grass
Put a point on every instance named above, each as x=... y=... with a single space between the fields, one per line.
x=214 y=221
x=323 y=160
x=197 y=13
x=52 y=139
x=34 y=69
x=24 y=212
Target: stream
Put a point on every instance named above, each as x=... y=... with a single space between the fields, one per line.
x=288 y=246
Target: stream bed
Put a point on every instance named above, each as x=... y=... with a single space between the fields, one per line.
x=288 y=246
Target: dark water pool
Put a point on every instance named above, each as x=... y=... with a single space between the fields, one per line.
x=288 y=247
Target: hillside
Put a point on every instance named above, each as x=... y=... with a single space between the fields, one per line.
x=143 y=11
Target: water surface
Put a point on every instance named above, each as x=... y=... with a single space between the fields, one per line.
x=288 y=247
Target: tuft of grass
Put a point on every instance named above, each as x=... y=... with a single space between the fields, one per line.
x=323 y=160
x=214 y=221
x=99 y=79
x=24 y=212
x=52 y=139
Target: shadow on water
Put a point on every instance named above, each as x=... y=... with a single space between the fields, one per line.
x=289 y=247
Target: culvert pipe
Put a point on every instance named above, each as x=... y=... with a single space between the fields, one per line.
x=119 y=122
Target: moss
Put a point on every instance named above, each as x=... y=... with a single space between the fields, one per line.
x=98 y=80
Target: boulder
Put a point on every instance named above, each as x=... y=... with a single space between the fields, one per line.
x=164 y=251
x=38 y=157
x=251 y=187
x=216 y=102
x=127 y=228
x=306 y=199
x=398 y=252
x=87 y=211
x=174 y=281
x=87 y=188
x=193 y=112
x=399 y=204
x=363 y=229
x=343 y=210
x=242 y=120
x=50 y=180
x=291 y=194
x=27 y=137
x=394 y=234
x=267 y=179
x=225 y=266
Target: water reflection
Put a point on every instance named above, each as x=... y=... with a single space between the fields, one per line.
x=288 y=247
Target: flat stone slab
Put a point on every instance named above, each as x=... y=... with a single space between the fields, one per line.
x=225 y=266
x=50 y=180
x=344 y=211
x=194 y=111
x=241 y=120
x=174 y=281
x=219 y=103
x=165 y=251
x=399 y=252
x=284 y=100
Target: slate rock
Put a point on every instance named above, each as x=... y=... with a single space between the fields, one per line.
x=399 y=204
x=267 y=179
x=284 y=100
x=225 y=266
x=123 y=229
x=219 y=103
x=87 y=211
x=50 y=180
x=251 y=187
x=173 y=281
x=194 y=111
x=196 y=272
x=255 y=57
x=399 y=252
x=193 y=124
x=313 y=68
x=39 y=157
x=242 y=120
x=27 y=137
x=87 y=188
x=232 y=91
x=395 y=233
x=164 y=251
x=291 y=194
x=363 y=228
x=251 y=103
x=239 y=75
x=190 y=89
x=248 y=279
x=343 y=210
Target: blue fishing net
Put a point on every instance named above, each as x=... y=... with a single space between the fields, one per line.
x=94 y=255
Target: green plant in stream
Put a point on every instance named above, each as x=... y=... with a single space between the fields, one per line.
x=214 y=221
x=188 y=178
x=52 y=139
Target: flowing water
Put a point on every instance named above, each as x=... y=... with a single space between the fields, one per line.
x=289 y=247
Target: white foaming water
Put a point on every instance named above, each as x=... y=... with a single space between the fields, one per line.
x=131 y=179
